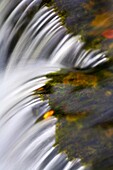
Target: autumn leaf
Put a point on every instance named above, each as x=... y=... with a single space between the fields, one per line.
x=108 y=34
x=48 y=114
x=102 y=20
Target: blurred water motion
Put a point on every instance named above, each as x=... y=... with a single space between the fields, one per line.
x=33 y=44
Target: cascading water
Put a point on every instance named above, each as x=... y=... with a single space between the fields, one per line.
x=33 y=43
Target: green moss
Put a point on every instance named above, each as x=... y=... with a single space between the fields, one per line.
x=93 y=42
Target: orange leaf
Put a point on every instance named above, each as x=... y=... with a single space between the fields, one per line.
x=102 y=20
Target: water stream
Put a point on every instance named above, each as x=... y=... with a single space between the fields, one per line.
x=33 y=44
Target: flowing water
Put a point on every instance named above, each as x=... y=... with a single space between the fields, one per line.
x=33 y=44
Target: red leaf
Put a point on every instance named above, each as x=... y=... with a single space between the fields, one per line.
x=108 y=34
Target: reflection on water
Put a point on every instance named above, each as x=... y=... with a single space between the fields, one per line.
x=56 y=104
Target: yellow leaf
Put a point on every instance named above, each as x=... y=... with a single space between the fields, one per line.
x=48 y=114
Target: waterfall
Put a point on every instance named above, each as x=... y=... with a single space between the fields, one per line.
x=34 y=43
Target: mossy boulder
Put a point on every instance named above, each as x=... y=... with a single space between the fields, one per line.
x=82 y=103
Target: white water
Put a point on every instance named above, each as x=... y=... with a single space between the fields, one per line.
x=42 y=48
